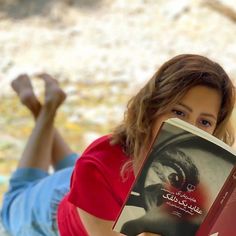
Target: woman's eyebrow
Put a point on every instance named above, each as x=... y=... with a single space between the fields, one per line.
x=185 y=106
x=190 y=110
x=209 y=115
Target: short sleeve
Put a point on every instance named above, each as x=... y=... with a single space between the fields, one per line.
x=92 y=191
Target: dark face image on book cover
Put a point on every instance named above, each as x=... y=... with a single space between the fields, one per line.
x=170 y=176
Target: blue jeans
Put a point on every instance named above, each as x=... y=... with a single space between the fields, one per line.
x=30 y=205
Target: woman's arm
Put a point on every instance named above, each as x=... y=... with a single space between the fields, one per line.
x=98 y=227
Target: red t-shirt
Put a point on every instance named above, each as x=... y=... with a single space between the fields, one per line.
x=97 y=187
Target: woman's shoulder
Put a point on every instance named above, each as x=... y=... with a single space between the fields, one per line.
x=100 y=144
x=101 y=149
x=101 y=158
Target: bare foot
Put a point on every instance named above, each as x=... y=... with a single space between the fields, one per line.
x=23 y=88
x=54 y=95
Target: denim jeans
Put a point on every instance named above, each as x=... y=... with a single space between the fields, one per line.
x=29 y=206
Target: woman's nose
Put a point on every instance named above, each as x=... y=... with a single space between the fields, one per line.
x=192 y=121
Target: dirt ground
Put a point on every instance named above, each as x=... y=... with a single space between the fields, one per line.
x=101 y=51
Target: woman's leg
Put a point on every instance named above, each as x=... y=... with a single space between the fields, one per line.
x=29 y=206
x=38 y=150
x=24 y=89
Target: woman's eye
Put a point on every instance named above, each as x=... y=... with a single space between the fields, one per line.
x=205 y=123
x=178 y=113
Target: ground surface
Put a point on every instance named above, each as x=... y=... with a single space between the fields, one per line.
x=101 y=52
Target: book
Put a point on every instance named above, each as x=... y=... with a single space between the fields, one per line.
x=183 y=186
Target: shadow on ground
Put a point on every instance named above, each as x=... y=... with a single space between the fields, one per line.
x=22 y=9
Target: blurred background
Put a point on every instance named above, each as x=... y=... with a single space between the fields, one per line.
x=101 y=51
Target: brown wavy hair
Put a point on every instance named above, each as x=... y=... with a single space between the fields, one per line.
x=167 y=86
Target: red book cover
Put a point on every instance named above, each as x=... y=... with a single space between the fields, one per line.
x=183 y=185
x=225 y=225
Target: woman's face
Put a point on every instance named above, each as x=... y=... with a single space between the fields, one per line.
x=200 y=107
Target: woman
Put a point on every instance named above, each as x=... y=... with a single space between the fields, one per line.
x=190 y=87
